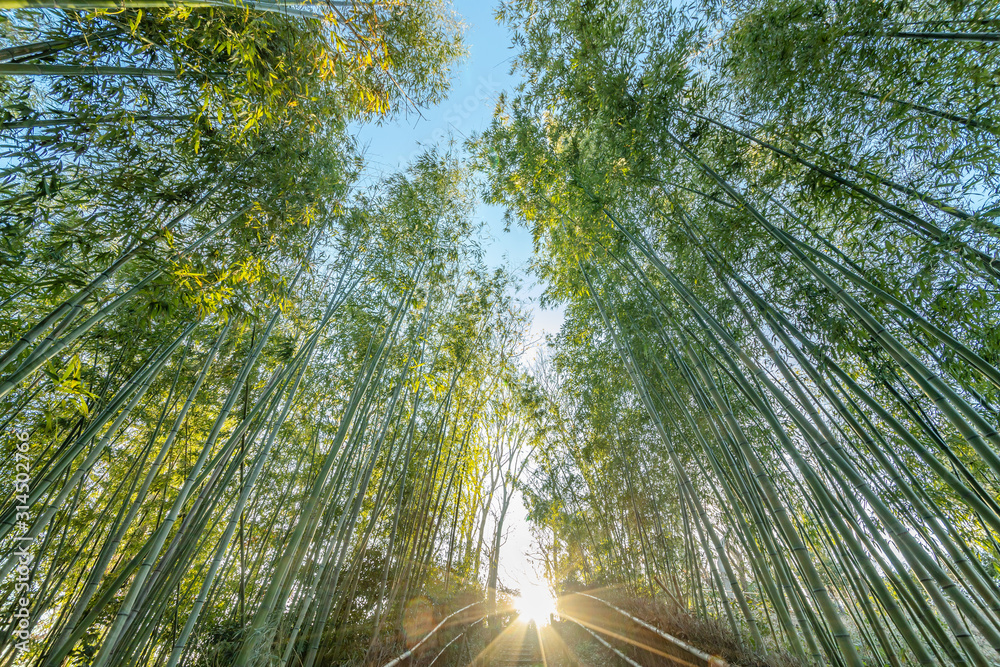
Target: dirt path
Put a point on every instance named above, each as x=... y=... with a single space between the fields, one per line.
x=518 y=644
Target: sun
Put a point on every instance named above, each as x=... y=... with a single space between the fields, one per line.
x=535 y=603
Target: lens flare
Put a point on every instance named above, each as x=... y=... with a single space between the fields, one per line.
x=535 y=603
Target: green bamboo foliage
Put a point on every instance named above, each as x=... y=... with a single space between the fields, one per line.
x=253 y=391
x=328 y=435
x=273 y=416
x=792 y=281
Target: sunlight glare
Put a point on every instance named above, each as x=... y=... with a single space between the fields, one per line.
x=535 y=603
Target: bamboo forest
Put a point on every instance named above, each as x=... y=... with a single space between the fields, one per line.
x=525 y=332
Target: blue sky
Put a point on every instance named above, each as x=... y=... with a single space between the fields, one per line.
x=476 y=85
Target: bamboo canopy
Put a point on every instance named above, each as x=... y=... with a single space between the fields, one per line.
x=259 y=407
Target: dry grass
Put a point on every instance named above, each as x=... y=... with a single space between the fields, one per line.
x=577 y=648
x=710 y=635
